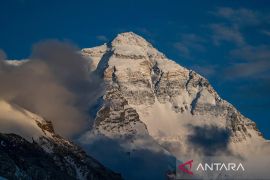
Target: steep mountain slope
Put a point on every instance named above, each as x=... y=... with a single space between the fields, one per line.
x=149 y=94
x=30 y=149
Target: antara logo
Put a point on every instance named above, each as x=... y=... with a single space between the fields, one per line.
x=220 y=167
x=182 y=167
x=217 y=166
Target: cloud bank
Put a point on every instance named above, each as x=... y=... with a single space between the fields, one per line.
x=55 y=83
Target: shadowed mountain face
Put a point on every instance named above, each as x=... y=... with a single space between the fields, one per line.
x=24 y=160
x=43 y=154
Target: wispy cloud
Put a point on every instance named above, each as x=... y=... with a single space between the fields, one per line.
x=265 y=32
x=189 y=42
x=205 y=70
x=234 y=21
x=193 y=41
x=247 y=60
x=250 y=69
x=145 y=31
x=225 y=33
x=240 y=16
x=102 y=38
x=254 y=62
x=252 y=53
x=182 y=48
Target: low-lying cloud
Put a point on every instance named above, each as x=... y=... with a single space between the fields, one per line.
x=209 y=140
x=55 y=83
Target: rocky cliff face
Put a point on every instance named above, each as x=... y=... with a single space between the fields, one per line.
x=162 y=95
x=43 y=155
x=117 y=118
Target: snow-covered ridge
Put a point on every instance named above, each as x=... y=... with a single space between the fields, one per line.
x=14 y=119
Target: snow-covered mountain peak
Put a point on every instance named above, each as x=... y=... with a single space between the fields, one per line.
x=132 y=46
x=131 y=39
x=126 y=50
x=167 y=97
x=150 y=99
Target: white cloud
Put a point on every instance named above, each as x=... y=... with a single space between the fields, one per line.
x=254 y=62
x=182 y=49
x=188 y=43
x=242 y=16
x=102 y=38
x=252 y=53
x=265 y=32
x=225 y=33
x=207 y=71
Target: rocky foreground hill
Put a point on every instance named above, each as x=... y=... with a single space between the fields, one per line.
x=30 y=149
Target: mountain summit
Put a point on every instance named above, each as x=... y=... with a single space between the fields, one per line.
x=130 y=38
x=150 y=82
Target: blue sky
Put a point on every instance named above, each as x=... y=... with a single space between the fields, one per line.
x=226 y=41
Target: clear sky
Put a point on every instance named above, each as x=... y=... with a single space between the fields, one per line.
x=226 y=41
